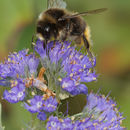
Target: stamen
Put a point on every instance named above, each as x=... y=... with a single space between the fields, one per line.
x=41 y=73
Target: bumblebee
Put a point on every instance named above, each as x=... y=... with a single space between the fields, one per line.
x=59 y=24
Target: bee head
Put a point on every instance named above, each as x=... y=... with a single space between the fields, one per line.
x=47 y=30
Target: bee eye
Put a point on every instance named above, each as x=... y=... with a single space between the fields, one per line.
x=47 y=29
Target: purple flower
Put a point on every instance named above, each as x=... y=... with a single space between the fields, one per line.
x=5 y=70
x=69 y=86
x=41 y=116
x=85 y=124
x=18 y=65
x=67 y=124
x=14 y=65
x=59 y=124
x=67 y=65
x=53 y=123
x=15 y=94
x=4 y=82
x=55 y=53
x=38 y=104
x=104 y=111
x=17 y=69
x=50 y=104
x=100 y=113
x=35 y=104
x=32 y=63
x=64 y=71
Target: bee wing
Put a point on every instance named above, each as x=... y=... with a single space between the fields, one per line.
x=96 y=11
x=56 y=4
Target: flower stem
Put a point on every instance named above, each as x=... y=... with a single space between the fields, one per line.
x=1 y=128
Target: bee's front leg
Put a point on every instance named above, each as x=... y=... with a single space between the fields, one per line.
x=87 y=46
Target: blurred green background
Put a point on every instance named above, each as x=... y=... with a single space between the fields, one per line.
x=111 y=44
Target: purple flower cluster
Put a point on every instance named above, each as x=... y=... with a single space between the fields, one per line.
x=100 y=114
x=75 y=67
x=16 y=93
x=16 y=73
x=39 y=105
x=63 y=73
x=57 y=124
x=19 y=65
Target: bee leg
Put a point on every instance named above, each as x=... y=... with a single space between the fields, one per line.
x=44 y=44
x=45 y=47
x=54 y=43
x=86 y=44
x=33 y=44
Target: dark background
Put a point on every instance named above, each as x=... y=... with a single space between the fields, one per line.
x=111 y=44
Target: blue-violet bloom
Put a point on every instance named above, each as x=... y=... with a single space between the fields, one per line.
x=100 y=113
x=66 y=65
x=16 y=93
